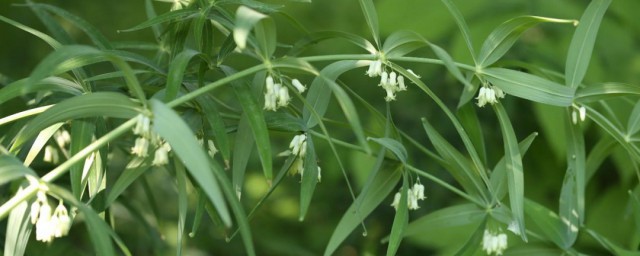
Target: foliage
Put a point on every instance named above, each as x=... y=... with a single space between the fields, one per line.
x=209 y=129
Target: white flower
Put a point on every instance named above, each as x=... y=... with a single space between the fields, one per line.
x=44 y=227
x=384 y=79
x=161 y=156
x=50 y=154
x=41 y=199
x=401 y=85
x=319 y=174
x=392 y=78
x=299 y=86
x=62 y=137
x=396 y=200
x=283 y=95
x=297 y=167
x=62 y=222
x=412 y=201
x=494 y=243
x=141 y=147
x=143 y=124
x=390 y=95
x=375 y=68
x=212 y=148
x=270 y=101
x=488 y=95
x=578 y=112
x=418 y=190
x=298 y=145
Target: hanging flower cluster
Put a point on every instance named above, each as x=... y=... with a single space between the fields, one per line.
x=277 y=95
x=489 y=94
x=414 y=194
x=298 y=147
x=146 y=138
x=390 y=82
x=494 y=242
x=48 y=225
x=580 y=112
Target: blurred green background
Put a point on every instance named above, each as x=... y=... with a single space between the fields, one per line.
x=276 y=228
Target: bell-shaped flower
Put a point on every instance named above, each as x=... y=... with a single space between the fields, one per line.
x=298 y=85
x=283 y=95
x=141 y=147
x=494 y=242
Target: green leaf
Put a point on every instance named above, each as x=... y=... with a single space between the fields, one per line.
x=18 y=228
x=513 y=167
x=247 y=19
x=370 y=15
x=499 y=174
x=316 y=37
x=165 y=17
x=633 y=125
x=280 y=121
x=95 y=104
x=55 y=27
x=548 y=221
x=598 y=154
x=255 y=116
x=94 y=34
x=453 y=216
x=611 y=247
x=614 y=131
x=602 y=91
x=40 y=142
x=381 y=186
x=451 y=65
x=530 y=87
x=181 y=181
x=402 y=42
x=582 y=43
x=469 y=120
x=82 y=132
x=44 y=37
x=462 y=25
x=134 y=169
x=98 y=230
x=504 y=36
x=309 y=178
x=400 y=221
x=459 y=166
x=176 y=73
x=12 y=169
x=243 y=146
x=318 y=96
x=471 y=246
x=184 y=144
x=217 y=125
x=573 y=187
x=396 y=147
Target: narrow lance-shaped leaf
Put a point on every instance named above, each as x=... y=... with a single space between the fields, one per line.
x=255 y=118
x=381 y=186
x=181 y=182
x=95 y=104
x=247 y=19
x=309 y=177
x=504 y=36
x=18 y=230
x=53 y=84
x=401 y=220
x=582 y=43
x=82 y=132
x=396 y=147
x=242 y=148
x=184 y=144
x=633 y=125
x=602 y=91
x=371 y=16
x=462 y=25
x=11 y=169
x=162 y=18
x=176 y=73
x=530 y=87
x=513 y=165
x=548 y=221
x=402 y=42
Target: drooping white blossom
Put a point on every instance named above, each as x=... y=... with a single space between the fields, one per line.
x=141 y=147
x=414 y=194
x=298 y=85
x=494 y=243
x=489 y=94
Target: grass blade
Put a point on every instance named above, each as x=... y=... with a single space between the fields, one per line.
x=582 y=43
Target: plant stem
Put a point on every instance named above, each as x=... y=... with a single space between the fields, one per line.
x=445 y=185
